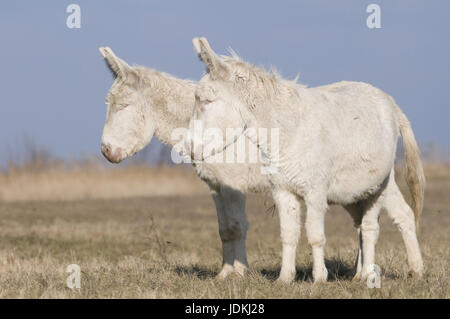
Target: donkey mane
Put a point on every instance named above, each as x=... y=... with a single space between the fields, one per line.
x=267 y=85
x=157 y=79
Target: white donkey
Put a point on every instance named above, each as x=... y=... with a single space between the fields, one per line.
x=143 y=102
x=337 y=144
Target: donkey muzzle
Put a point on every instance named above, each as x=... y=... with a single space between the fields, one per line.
x=112 y=155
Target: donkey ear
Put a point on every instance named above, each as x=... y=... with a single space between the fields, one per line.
x=117 y=66
x=213 y=62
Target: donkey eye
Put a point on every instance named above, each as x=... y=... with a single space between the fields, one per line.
x=121 y=106
x=204 y=103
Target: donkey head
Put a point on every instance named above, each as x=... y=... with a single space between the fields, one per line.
x=219 y=106
x=128 y=127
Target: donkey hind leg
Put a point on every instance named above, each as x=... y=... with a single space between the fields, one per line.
x=403 y=218
x=233 y=225
x=369 y=234
x=288 y=206
x=356 y=212
x=316 y=207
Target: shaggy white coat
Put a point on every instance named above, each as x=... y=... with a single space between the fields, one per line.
x=337 y=145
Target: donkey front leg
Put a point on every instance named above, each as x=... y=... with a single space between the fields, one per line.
x=227 y=246
x=233 y=226
x=288 y=207
x=316 y=207
x=237 y=227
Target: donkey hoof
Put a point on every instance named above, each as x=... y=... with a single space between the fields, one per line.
x=240 y=269
x=221 y=276
x=320 y=277
x=235 y=276
x=320 y=280
x=415 y=274
x=357 y=277
x=286 y=278
x=225 y=272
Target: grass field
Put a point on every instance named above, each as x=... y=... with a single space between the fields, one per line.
x=169 y=247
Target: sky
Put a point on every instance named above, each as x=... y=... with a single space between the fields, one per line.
x=53 y=81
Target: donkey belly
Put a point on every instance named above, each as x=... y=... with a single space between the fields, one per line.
x=354 y=184
x=363 y=141
x=360 y=167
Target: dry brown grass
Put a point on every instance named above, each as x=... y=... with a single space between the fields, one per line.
x=168 y=246
x=91 y=181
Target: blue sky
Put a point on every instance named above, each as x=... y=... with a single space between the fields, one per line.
x=54 y=82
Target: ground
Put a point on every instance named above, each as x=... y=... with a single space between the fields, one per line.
x=169 y=247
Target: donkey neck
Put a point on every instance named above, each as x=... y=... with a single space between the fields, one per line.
x=172 y=102
x=281 y=116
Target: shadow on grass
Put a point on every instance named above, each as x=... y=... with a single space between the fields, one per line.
x=196 y=271
x=337 y=270
x=391 y=275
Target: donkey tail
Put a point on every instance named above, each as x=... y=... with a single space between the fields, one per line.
x=415 y=176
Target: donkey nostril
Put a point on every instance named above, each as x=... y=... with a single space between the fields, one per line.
x=106 y=149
